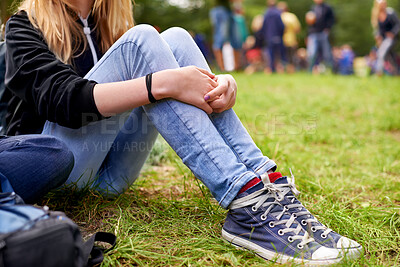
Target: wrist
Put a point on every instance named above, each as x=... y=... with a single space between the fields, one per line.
x=161 y=86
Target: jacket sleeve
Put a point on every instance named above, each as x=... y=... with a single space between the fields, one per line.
x=330 y=18
x=395 y=22
x=34 y=74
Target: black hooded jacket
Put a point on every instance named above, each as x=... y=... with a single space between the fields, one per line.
x=325 y=18
x=41 y=87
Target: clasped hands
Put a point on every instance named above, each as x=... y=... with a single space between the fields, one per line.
x=209 y=92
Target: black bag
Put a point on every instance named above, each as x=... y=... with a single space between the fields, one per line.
x=31 y=236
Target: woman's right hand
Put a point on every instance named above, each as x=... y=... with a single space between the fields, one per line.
x=187 y=84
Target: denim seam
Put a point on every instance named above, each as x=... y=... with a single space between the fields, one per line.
x=116 y=48
x=105 y=170
x=168 y=103
x=235 y=180
x=265 y=163
x=18 y=145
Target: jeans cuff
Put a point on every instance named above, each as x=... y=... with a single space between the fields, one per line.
x=268 y=165
x=235 y=188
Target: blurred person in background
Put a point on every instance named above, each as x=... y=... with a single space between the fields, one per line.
x=301 y=61
x=386 y=25
x=292 y=28
x=224 y=31
x=253 y=47
x=371 y=60
x=346 y=62
x=343 y=59
x=241 y=32
x=320 y=21
x=272 y=30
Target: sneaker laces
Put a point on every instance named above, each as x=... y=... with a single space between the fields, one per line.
x=285 y=189
x=259 y=199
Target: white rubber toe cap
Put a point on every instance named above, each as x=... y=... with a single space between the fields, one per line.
x=346 y=243
x=350 y=249
x=324 y=253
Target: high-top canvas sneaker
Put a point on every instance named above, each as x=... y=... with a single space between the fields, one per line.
x=321 y=233
x=258 y=222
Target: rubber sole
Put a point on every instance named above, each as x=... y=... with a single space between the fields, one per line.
x=272 y=255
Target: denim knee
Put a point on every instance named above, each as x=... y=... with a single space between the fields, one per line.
x=35 y=164
x=68 y=158
x=143 y=47
x=177 y=37
x=177 y=33
x=61 y=157
x=144 y=34
x=141 y=35
x=142 y=29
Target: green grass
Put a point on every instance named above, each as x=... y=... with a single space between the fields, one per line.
x=339 y=135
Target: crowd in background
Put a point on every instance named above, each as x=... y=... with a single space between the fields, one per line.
x=272 y=44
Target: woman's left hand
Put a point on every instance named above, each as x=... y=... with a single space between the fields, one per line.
x=223 y=96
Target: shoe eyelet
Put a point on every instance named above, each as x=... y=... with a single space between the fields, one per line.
x=303 y=222
x=300 y=246
x=280 y=232
x=313 y=229
x=290 y=239
x=294 y=215
x=254 y=208
x=285 y=208
x=271 y=225
x=263 y=217
x=323 y=236
x=279 y=198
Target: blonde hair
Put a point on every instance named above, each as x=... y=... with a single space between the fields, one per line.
x=57 y=21
x=374 y=15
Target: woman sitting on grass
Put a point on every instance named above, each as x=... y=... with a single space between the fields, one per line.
x=107 y=90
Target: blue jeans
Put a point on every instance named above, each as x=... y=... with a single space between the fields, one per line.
x=216 y=148
x=319 y=43
x=382 y=53
x=33 y=164
x=224 y=28
x=273 y=50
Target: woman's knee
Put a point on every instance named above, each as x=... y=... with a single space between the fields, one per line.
x=57 y=154
x=141 y=32
x=143 y=45
x=176 y=35
x=35 y=164
x=65 y=160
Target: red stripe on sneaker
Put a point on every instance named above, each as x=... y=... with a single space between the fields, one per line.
x=250 y=184
x=274 y=176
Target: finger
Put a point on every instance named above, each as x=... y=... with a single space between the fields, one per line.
x=206 y=72
x=223 y=103
x=230 y=104
x=213 y=83
x=218 y=104
x=216 y=92
x=206 y=107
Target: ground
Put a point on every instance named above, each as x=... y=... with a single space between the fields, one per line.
x=340 y=136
